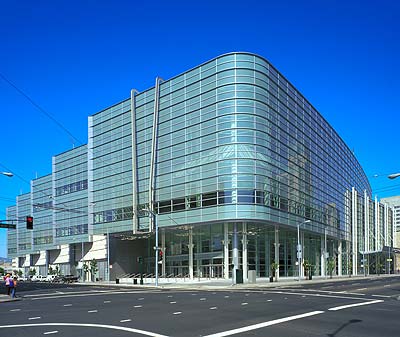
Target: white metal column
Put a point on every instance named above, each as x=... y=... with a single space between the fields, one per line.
x=244 y=252
x=226 y=252
x=340 y=258
x=276 y=244
x=190 y=247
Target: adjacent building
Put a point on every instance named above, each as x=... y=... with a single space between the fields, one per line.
x=232 y=165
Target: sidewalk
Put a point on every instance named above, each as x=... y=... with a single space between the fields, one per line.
x=223 y=284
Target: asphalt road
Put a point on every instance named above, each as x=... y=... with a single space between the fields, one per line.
x=346 y=308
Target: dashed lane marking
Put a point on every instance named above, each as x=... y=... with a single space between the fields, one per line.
x=172 y=302
x=383 y=296
x=264 y=324
x=107 y=302
x=125 y=320
x=32 y=318
x=104 y=326
x=202 y=299
x=67 y=305
x=138 y=306
x=92 y=311
x=213 y=308
x=15 y=310
x=245 y=303
x=50 y=332
x=177 y=313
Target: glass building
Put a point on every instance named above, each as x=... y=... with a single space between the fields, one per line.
x=232 y=165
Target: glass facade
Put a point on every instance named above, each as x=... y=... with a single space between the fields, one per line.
x=229 y=148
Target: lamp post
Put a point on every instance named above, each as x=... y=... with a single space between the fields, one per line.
x=156 y=248
x=299 y=250
x=394 y=175
x=8 y=174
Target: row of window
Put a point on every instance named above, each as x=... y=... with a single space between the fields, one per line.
x=43 y=240
x=72 y=230
x=118 y=214
x=73 y=187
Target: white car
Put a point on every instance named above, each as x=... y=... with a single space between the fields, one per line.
x=38 y=278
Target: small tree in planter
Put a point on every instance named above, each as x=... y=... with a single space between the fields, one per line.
x=32 y=272
x=93 y=269
x=274 y=271
x=85 y=270
x=308 y=269
x=50 y=271
x=57 y=270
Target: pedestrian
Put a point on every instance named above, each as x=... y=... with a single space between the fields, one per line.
x=7 y=283
x=13 y=286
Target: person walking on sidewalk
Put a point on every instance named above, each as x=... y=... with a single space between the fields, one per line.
x=13 y=286
x=7 y=283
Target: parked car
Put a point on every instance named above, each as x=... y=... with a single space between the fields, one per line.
x=70 y=278
x=50 y=278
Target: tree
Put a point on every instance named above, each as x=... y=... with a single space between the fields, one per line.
x=32 y=272
x=19 y=273
x=85 y=270
x=93 y=269
x=308 y=269
x=331 y=266
x=1 y=270
x=50 y=271
x=57 y=270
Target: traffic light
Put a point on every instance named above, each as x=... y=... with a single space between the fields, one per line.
x=29 y=222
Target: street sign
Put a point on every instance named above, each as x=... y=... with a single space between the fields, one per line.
x=9 y=226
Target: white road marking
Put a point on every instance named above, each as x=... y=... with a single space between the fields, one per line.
x=50 y=332
x=177 y=313
x=264 y=324
x=84 y=294
x=354 y=305
x=172 y=302
x=384 y=296
x=361 y=289
x=91 y=311
x=354 y=284
x=202 y=299
x=104 y=326
x=67 y=305
x=107 y=302
x=141 y=299
x=169 y=296
x=125 y=320
x=31 y=318
x=213 y=308
x=137 y=306
x=269 y=300
x=387 y=285
x=226 y=296
x=244 y=303
x=15 y=310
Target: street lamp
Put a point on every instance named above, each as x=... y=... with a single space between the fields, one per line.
x=156 y=248
x=8 y=174
x=299 y=250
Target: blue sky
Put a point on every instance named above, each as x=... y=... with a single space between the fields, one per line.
x=74 y=58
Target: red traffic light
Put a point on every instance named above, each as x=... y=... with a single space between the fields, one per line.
x=29 y=222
